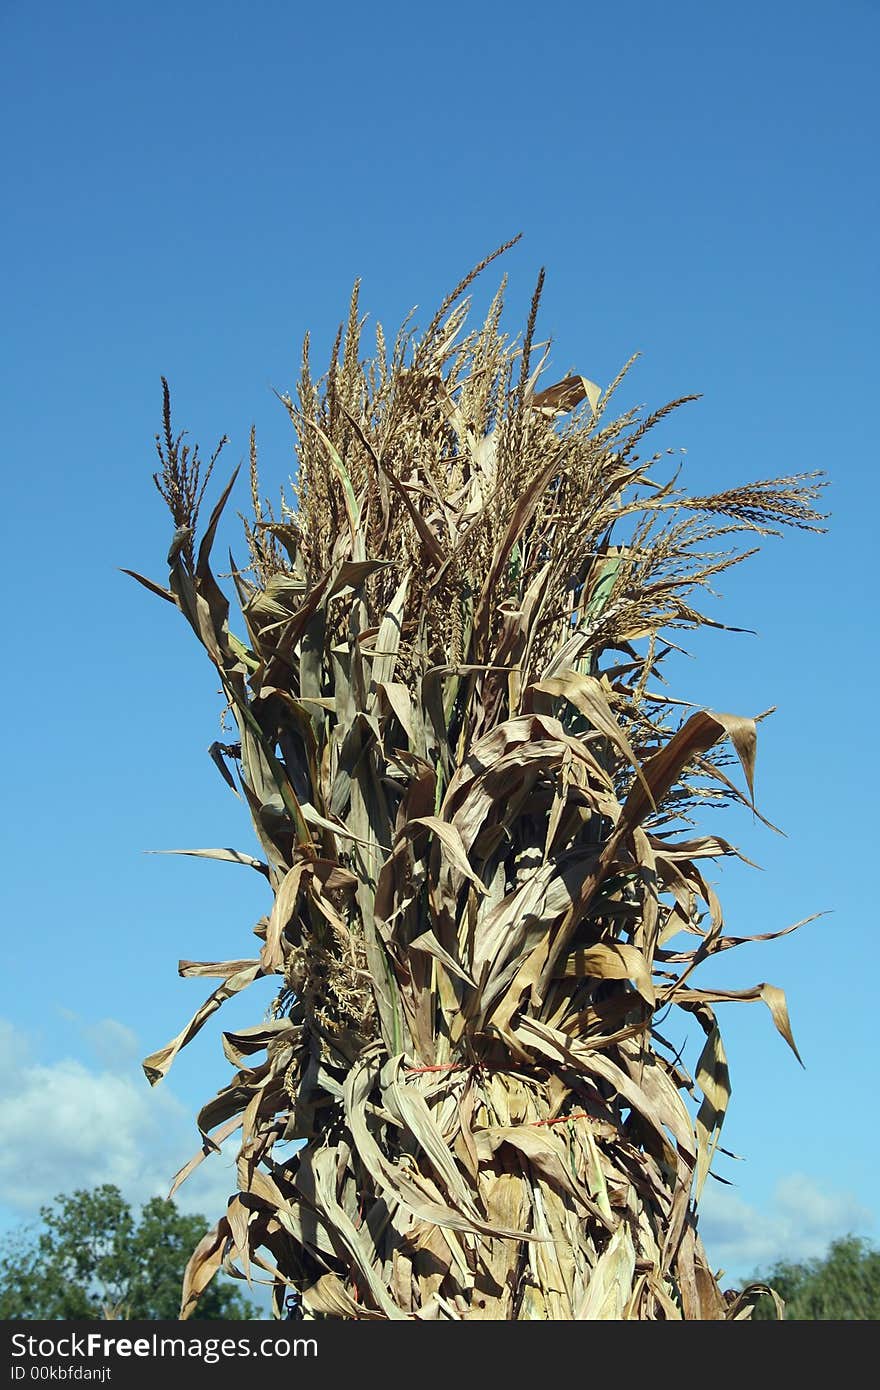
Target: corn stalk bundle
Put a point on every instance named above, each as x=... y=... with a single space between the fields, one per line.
x=476 y=806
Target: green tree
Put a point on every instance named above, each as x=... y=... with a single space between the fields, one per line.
x=843 y=1287
x=92 y=1258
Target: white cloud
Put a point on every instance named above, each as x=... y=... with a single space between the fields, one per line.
x=799 y=1224
x=14 y=1046
x=111 y=1042
x=66 y=1125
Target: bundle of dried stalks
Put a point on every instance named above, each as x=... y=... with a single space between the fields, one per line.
x=473 y=803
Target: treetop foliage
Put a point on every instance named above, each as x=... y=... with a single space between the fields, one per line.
x=92 y=1257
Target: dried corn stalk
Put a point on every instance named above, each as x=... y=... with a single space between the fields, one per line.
x=474 y=806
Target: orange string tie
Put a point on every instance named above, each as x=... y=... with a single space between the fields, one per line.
x=561 y=1119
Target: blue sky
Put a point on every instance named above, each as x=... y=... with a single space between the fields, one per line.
x=190 y=187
